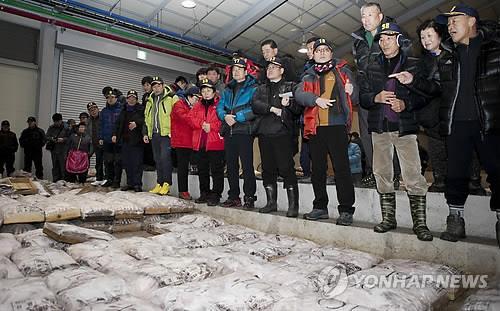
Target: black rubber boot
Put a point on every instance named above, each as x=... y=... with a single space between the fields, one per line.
x=388 y=206
x=249 y=202
x=293 y=201
x=272 y=198
x=417 y=208
x=455 y=228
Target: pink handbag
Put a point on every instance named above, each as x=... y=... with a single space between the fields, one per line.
x=77 y=161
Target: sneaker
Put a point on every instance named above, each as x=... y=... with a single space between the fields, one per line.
x=232 y=203
x=345 y=219
x=98 y=183
x=185 y=196
x=249 y=202
x=317 y=214
x=156 y=189
x=165 y=189
x=107 y=183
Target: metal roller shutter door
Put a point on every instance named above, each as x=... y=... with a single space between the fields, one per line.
x=83 y=77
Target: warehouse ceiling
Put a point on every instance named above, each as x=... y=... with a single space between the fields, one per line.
x=243 y=24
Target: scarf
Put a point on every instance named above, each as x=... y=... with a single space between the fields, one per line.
x=321 y=68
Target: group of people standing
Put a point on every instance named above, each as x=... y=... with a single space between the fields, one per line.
x=452 y=91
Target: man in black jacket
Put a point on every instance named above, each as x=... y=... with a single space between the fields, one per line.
x=469 y=114
x=277 y=114
x=32 y=140
x=8 y=148
x=57 y=138
x=129 y=133
x=392 y=124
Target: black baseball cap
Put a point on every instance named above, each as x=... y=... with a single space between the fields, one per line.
x=91 y=105
x=156 y=80
x=207 y=83
x=239 y=62
x=132 y=93
x=320 y=42
x=5 y=123
x=31 y=119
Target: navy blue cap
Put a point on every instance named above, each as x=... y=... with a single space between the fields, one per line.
x=320 y=42
x=458 y=10
x=276 y=61
x=239 y=62
x=133 y=93
x=193 y=91
x=207 y=83
x=390 y=29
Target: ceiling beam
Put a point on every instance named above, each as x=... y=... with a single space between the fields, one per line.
x=246 y=20
x=406 y=17
x=316 y=24
x=114 y=5
x=151 y=16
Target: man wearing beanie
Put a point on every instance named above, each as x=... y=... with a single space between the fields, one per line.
x=327 y=92
x=8 y=148
x=32 y=141
x=57 y=137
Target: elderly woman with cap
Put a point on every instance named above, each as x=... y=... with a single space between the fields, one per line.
x=182 y=137
x=128 y=132
x=277 y=114
x=209 y=144
x=327 y=92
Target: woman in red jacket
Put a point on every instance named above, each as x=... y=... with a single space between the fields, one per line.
x=209 y=144
x=182 y=137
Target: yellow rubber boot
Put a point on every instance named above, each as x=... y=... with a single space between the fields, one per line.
x=156 y=189
x=164 y=189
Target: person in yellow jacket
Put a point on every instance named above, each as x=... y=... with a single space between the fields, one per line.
x=157 y=130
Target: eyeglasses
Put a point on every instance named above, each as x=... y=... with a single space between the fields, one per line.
x=272 y=67
x=323 y=51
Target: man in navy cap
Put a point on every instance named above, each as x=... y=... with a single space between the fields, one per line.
x=470 y=109
x=393 y=125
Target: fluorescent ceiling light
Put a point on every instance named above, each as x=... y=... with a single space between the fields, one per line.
x=141 y=55
x=188 y=4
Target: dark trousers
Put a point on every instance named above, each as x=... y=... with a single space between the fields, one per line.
x=162 y=155
x=183 y=159
x=132 y=158
x=437 y=156
x=240 y=146
x=33 y=156
x=305 y=157
x=99 y=162
x=276 y=154
x=332 y=141
x=366 y=139
x=113 y=162
x=211 y=163
x=7 y=160
x=465 y=137
x=58 y=165
x=81 y=178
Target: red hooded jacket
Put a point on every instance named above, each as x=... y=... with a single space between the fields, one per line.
x=197 y=117
x=180 y=125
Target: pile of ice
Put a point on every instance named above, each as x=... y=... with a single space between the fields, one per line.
x=198 y=263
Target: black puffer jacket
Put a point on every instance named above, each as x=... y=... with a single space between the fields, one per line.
x=8 y=142
x=487 y=82
x=373 y=82
x=265 y=97
x=362 y=52
x=122 y=132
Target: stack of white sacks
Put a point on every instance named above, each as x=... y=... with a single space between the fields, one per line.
x=198 y=263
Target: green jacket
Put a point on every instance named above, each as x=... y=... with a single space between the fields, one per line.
x=165 y=107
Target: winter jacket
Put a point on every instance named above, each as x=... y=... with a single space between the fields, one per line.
x=267 y=96
x=85 y=143
x=182 y=133
x=354 y=153
x=240 y=105
x=167 y=100
x=55 y=132
x=145 y=97
x=200 y=114
x=364 y=54
x=32 y=138
x=108 y=117
x=487 y=80
x=8 y=142
x=373 y=82
x=132 y=137
x=309 y=90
